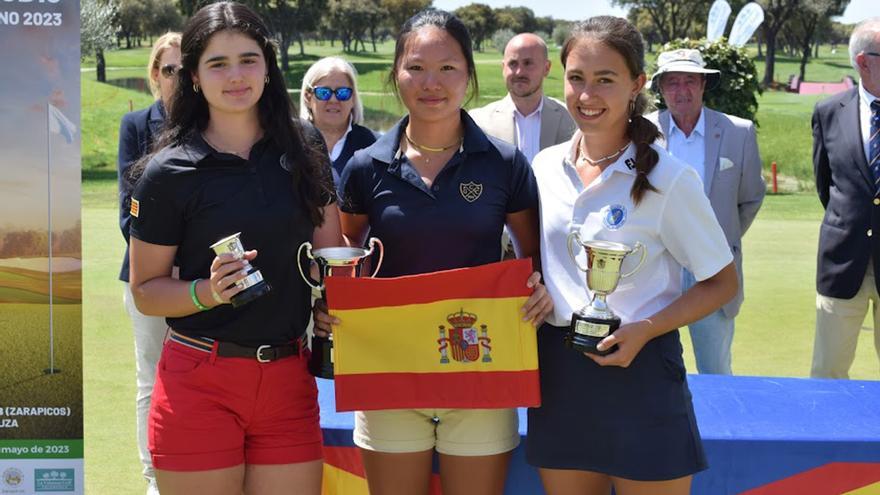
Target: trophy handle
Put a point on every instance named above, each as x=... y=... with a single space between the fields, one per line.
x=575 y=236
x=638 y=246
x=306 y=245
x=373 y=242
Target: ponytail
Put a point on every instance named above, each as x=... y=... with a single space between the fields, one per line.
x=642 y=132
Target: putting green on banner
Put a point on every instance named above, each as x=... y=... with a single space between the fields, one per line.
x=451 y=339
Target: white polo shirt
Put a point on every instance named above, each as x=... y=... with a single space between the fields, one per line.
x=676 y=225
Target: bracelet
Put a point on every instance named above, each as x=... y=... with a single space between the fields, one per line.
x=195 y=297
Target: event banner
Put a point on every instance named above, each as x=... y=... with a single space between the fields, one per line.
x=41 y=404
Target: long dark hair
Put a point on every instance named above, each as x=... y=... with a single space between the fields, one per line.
x=622 y=37
x=447 y=22
x=189 y=109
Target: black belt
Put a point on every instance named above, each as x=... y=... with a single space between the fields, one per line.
x=263 y=353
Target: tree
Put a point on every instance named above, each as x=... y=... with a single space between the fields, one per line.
x=164 y=18
x=516 y=19
x=399 y=11
x=643 y=21
x=804 y=26
x=97 y=32
x=501 y=38
x=545 y=24
x=561 y=32
x=351 y=19
x=130 y=16
x=480 y=20
x=776 y=14
x=737 y=92
x=672 y=19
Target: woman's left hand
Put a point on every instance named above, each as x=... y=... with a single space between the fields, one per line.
x=539 y=304
x=630 y=339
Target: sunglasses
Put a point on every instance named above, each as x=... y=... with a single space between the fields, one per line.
x=324 y=93
x=873 y=54
x=168 y=70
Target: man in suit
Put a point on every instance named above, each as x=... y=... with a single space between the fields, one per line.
x=525 y=117
x=846 y=162
x=724 y=151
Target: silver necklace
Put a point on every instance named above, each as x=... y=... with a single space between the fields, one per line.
x=597 y=161
x=241 y=154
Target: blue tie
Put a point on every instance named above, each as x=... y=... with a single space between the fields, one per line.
x=874 y=144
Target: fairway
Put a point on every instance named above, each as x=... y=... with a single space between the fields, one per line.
x=775 y=328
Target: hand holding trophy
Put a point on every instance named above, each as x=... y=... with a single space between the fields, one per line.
x=252 y=286
x=346 y=261
x=595 y=321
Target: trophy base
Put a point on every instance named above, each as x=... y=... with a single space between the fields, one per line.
x=253 y=292
x=586 y=332
x=321 y=360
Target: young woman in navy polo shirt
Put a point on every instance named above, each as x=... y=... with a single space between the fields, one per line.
x=406 y=190
x=234 y=408
x=623 y=419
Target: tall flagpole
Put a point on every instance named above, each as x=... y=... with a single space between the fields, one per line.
x=51 y=369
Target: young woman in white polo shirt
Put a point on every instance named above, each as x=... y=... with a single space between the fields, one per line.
x=623 y=419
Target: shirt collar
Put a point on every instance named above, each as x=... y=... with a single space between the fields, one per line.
x=865 y=96
x=157 y=111
x=386 y=148
x=623 y=164
x=700 y=128
x=536 y=112
x=197 y=149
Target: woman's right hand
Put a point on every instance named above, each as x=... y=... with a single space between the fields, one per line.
x=323 y=320
x=226 y=270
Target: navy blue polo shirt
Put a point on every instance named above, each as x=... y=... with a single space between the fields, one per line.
x=455 y=223
x=191 y=196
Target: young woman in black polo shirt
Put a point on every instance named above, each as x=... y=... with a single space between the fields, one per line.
x=406 y=190
x=234 y=409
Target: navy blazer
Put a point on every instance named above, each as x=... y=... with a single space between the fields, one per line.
x=136 y=134
x=846 y=189
x=359 y=138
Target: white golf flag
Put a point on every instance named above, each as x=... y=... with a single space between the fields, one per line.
x=60 y=124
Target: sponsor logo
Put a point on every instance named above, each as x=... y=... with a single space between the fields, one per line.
x=13 y=477
x=54 y=480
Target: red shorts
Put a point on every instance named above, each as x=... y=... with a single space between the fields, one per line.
x=212 y=412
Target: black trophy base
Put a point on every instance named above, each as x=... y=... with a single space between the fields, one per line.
x=260 y=289
x=585 y=333
x=321 y=360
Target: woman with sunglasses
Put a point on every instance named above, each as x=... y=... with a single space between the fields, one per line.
x=235 y=409
x=138 y=131
x=406 y=189
x=329 y=100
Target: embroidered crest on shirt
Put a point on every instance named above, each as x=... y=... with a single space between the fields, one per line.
x=464 y=340
x=470 y=191
x=135 y=207
x=615 y=217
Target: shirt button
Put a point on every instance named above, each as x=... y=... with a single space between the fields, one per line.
x=435 y=188
x=870 y=233
x=877 y=201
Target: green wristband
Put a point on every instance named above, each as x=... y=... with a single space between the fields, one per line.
x=194 y=297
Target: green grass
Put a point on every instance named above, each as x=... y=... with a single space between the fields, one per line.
x=25 y=337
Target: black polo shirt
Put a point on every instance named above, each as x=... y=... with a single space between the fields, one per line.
x=455 y=223
x=191 y=196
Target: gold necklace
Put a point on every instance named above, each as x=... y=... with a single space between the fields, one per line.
x=422 y=147
x=241 y=154
x=595 y=162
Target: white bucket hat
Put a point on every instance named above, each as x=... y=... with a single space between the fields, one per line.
x=684 y=60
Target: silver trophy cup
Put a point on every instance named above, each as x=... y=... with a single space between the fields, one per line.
x=338 y=261
x=253 y=285
x=596 y=320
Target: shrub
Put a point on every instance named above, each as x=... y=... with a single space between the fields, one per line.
x=501 y=37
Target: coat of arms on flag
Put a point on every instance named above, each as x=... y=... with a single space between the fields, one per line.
x=402 y=341
x=463 y=339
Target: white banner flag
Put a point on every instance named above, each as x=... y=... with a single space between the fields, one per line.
x=718 y=15
x=747 y=21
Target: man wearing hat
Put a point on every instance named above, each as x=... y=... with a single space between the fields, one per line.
x=724 y=151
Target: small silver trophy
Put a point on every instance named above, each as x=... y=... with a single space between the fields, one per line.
x=253 y=285
x=345 y=261
x=595 y=321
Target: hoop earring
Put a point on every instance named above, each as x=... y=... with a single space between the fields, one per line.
x=267 y=79
x=196 y=88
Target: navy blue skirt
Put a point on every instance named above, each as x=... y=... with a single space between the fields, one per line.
x=635 y=423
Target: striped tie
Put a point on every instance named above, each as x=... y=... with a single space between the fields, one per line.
x=874 y=144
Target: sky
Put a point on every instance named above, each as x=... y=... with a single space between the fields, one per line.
x=858 y=10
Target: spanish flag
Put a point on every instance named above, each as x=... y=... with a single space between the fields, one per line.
x=451 y=339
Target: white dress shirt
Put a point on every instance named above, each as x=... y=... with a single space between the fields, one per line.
x=676 y=225
x=865 y=99
x=689 y=149
x=528 y=131
x=337 y=148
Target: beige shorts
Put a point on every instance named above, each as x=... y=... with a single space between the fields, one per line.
x=462 y=432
